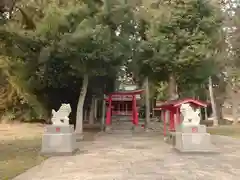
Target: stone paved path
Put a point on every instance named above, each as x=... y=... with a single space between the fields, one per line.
x=145 y=156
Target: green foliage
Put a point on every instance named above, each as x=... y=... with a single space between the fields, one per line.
x=17 y=97
x=161 y=91
x=67 y=41
x=233 y=33
x=51 y=45
x=181 y=38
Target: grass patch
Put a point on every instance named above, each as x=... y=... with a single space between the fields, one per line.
x=19 y=155
x=227 y=130
x=20 y=146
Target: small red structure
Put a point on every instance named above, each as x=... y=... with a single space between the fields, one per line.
x=174 y=111
x=123 y=97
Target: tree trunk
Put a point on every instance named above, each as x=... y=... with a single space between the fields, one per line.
x=103 y=114
x=92 y=112
x=153 y=106
x=234 y=107
x=95 y=108
x=234 y=113
x=172 y=88
x=85 y=115
x=205 y=113
x=147 y=104
x=79 y=118
x=213 y=104
x=219 y=112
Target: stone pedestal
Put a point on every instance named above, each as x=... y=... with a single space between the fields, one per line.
x=193 y=139
x=59 y=140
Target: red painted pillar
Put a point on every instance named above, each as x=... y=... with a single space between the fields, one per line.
x=171 y=121
x=164 y=123
x=109 y=113
x=133 y=117
x=135 y=110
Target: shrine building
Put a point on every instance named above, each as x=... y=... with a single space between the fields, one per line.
x=124 y=103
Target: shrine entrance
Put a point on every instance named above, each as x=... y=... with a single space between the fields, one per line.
x=122 y=107
x=123 y=103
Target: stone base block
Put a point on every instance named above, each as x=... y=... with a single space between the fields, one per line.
x=59 y=140
x=194 y=142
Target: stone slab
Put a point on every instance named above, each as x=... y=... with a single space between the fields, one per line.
x=194 y=142
x=59 y=153
x=192 y=129
x=62 y=143
x=205 y=151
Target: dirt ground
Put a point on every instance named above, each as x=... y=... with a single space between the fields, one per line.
x=20 y=145
x=124 y=155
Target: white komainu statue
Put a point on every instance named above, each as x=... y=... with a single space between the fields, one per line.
x=190 y=116
x=60 y=117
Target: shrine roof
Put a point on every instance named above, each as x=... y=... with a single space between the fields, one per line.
x=179 y=102
x=130 y=92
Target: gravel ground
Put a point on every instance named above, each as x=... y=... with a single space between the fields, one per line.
x=140 y=156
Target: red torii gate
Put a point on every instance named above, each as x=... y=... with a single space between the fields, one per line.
x=134 y=105
x=174 y=109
